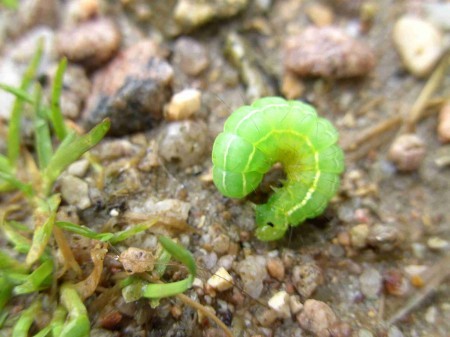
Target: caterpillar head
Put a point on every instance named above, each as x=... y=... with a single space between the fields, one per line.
x=272 y=223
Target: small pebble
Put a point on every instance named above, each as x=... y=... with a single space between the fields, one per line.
x=384 y=237
x=267 y=317
x=90 y=44
x=190 y=55
x=75 y=192
x=78 y=168
x=437 y=243
x=275 y=268
x=359 y=235
x=407 y=152
x=295 y=305
x=306 y=278
x=221 y=244
x=317 y=317
x=253 y=273
x=320 y=14
x=183 y=105
x=190 y=14
x=280 y=303
x=184 y=142
x=327 y=52
x=443 y=128
x=371 y=283
x=419 y=44
x=221 y=280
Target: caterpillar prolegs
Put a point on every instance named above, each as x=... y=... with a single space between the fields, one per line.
x=273 y=130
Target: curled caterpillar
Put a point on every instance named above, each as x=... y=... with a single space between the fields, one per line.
x=273 y=130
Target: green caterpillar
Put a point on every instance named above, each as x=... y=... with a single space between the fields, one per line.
x=273 y=130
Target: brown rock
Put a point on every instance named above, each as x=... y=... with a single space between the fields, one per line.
x=306 y=278
x=317 y=317
x=407 y=152
x=327 y=52
x=131 y=90
x=275 y=268
x=89 y=44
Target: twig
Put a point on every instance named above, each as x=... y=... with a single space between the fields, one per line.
x=186 y=300
x=373 y=132
x=430 y=87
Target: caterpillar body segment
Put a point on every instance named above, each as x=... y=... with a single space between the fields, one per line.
x=275 y=130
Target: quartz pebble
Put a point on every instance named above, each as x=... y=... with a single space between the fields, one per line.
x=280 y=303
x=221 y=280
x=371 y=283
x=75 y=191
x=407 y=152
x=317 y=317
x=419 y=44
x=253 y=272
x=327 y=52
x=183 y=105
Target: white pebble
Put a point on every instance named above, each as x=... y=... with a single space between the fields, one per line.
x=295 y=304
x=75 y=192
x=419 y=44
x=221 y=280
x=280 y=303
x=183 y=105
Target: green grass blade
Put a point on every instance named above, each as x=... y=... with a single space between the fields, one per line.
x=11 y=264
x=4 y=164
x=25 y=320
x=19 y=93
x=40 y=278
x=70 y=152
x=5 y=292
x=47 y=210
x=160 y=290
x=8 y=180
x=84 y=231
x=16 y=115
x=127 y=233
x=42 y=137
x=179 y=253
x=78 y=324
x=21 y=243
x=56 y=114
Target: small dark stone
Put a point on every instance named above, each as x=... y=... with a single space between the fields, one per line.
x=131 y=90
